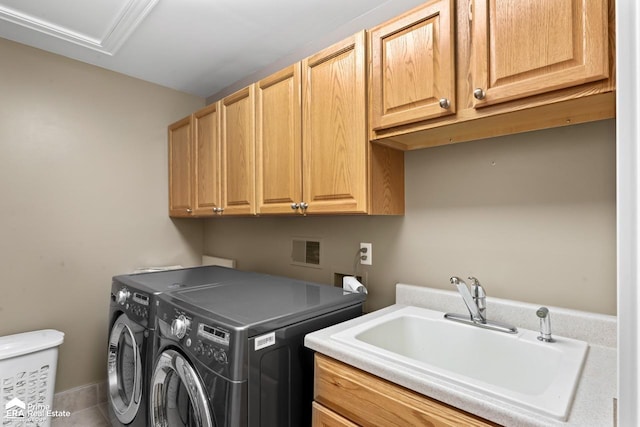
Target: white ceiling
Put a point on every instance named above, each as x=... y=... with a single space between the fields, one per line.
x=195 y=46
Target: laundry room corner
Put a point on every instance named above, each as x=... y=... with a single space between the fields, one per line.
x=82 y=162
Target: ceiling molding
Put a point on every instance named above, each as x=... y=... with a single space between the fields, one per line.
x=124 y=21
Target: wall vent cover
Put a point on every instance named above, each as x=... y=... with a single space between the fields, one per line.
x=306 y=252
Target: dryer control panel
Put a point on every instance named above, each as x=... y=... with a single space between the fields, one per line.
x=134 y=304
x=211 y=333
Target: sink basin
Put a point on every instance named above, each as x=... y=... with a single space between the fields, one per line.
x=515 y=368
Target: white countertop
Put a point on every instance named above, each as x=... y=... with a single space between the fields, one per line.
x=593 y=402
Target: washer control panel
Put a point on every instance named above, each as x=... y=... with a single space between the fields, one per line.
x=134 y=303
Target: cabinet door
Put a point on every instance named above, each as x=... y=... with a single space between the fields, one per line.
x=180 y=178
x=279 y=142
x=206 y=124
x=238 y=153
x=324 y=417
x=524 y=48
x=413 y=73
x=334 y=138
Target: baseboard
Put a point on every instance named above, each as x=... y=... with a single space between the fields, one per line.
x=79 y=398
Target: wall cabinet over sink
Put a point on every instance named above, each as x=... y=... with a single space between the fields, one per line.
x=412 y=66
x=519 y=66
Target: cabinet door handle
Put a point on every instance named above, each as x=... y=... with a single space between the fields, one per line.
x=189 y=210
x=444 y=103
x=479 y=94
x=295 y=206
x=304 y=206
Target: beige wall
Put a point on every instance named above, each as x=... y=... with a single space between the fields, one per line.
x=83 y=188
x=531 y=215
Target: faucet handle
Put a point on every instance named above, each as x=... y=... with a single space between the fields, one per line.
x=474 y=281
x=479 y=295
x=478 y=290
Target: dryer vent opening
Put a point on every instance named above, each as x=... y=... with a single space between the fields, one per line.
x=306 y=252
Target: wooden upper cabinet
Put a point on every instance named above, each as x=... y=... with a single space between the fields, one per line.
x=180 y=169
x=238 y=152
x=334 y=136
x=279 y=142
x=524 y=48
x=412 y=66
x=206 y=125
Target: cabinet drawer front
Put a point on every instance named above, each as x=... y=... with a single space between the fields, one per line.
x=371 y=401
x=524 y=48
x=324 y=417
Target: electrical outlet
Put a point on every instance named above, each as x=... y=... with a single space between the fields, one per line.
x=366 y=253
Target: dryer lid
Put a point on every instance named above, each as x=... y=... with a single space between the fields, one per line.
x=258 y=299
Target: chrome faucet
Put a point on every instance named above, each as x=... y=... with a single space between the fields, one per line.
x=476 y=311
x=479 y=296
x=545 y=324
x=477 y=305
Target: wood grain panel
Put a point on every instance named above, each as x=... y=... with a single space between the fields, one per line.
x=335 y=145
x=180 y=168
x=206 y=123
x=571 y=105
x=523 y=48
x=324 y=417
x=279 y=141
x=387 y=181
x=238 y=152
x=371 y=401
x=412 y=61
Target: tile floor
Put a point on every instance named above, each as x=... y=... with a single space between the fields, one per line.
x=87 y=405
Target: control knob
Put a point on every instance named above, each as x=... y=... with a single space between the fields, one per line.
x=179 y=326
x=121 y=296
x=220 y=356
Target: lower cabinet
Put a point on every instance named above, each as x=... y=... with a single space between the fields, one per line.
x=324 y=417
x=346 y=396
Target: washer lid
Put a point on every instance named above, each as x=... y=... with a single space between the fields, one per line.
x=258 y=298
x=171 y=280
